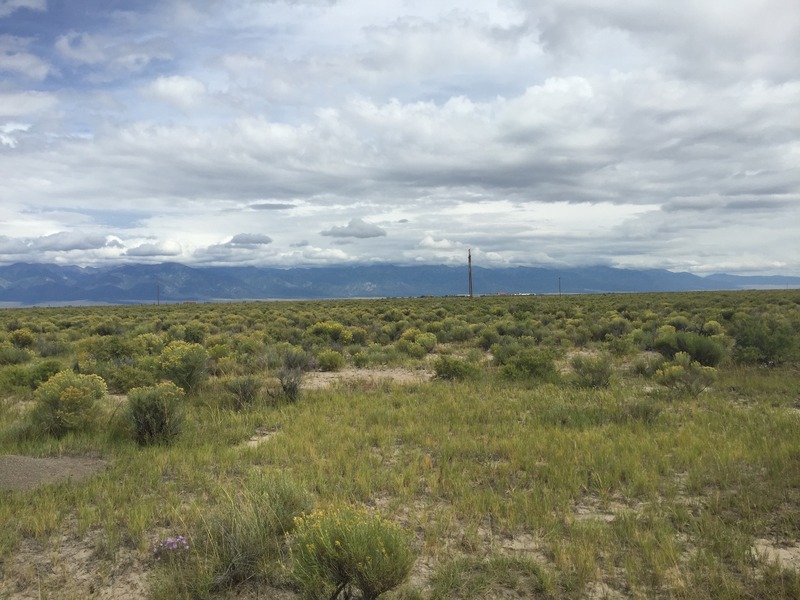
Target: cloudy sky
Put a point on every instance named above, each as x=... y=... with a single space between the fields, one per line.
x=309 y=132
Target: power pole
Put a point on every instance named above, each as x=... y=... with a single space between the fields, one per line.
x=469 y=259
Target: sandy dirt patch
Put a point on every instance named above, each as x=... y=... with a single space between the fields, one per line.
x=320 y=379
x=259 y=437
x=787 y=556
x=71 y=568
x=25 y=472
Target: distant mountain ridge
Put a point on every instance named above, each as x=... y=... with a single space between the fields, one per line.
x=26 y=284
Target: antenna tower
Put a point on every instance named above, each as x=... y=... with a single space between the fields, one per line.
x=469 y=260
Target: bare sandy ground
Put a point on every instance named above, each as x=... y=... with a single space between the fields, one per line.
x=319 y=379
x=25 y=472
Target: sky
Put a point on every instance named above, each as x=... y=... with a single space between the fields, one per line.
x=554 y=133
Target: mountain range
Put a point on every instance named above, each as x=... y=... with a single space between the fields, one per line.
x=31 y=284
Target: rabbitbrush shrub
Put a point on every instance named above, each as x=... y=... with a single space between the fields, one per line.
x=245 y=390
x=155 y=413
x=184 y=364
x=338 y=550
x=330 y=360
x=531 y=363
x=449 y=367
x=22 y=338
x=11 y=355
x=706 y=350
x=685 y=375
x=66 y=402
x=592 y=371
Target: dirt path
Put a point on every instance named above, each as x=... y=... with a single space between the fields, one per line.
x=24 y=472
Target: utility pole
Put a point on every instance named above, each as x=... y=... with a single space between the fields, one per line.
x=158 y=294
x=559 y=287
x=469 y=259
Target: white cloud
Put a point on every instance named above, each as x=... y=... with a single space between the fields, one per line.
x=13 y=246
x=9 y=6
x=180 y=91
x=19 y=104
x=561 y=131
x=356 y=228
x=441 y=244
x=317 y=256
x=7 y=129
x=65 y=241
x=15 y=57
x=81 y=48
x=157 y=249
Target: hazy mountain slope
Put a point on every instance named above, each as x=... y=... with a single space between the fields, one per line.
x=30 y=284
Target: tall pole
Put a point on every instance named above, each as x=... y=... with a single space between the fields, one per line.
x=469 y=259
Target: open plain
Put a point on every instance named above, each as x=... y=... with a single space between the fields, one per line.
x=614 y=446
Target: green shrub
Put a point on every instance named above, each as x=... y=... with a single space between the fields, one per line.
x=763 y=340
x=330 y=360
x=488 y=337
x=427 y=340
x=155 y=413
x=680 y=323
x=113 y=349
x=22 y=338
x=14 y=377
x=666 y=341
x=683 y=375
x=297 y=358
x=616 y=327
x=126 y=377
x=289 y=381
x=642 y=339
x=331 y=330
x=271 y=358
x=110 y=327
x=706 y=350
x=451 y=368
x=42 y=371
x=66 y=402
x=412 y=349
x=338 y=551
x=51 y=347
x=592 y=371
x=361 y=359
x=459 y=333
x=184 y=364
x=531 y=363
x=195 y=332
x=712 y=328
x=244 y=389
x=648 y=364
x=11 y=355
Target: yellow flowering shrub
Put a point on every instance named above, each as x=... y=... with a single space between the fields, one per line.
x=65 y=402
x=337 y=550
x=184 y=364
x=683 y=374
